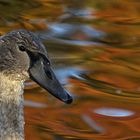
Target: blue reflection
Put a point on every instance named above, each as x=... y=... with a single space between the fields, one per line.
x=113 y=112
x=67 y=30
x=64 y=73
x=91 y=123
x=67 y=34
x=58 y=29
x=34 y=104
x=86 y=13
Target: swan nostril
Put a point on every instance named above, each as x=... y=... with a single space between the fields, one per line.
x=48 y=73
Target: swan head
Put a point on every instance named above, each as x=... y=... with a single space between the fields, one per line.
x=22 y=56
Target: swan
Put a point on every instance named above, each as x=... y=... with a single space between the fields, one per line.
x=23 y=56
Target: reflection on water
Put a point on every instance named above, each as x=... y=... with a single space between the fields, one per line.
x=94 y=48
x=114 y=112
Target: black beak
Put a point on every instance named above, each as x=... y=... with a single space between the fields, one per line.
x=41 y=72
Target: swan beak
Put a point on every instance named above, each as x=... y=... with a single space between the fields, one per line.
x=40 y=71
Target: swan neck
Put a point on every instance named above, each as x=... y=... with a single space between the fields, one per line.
x=11 y=109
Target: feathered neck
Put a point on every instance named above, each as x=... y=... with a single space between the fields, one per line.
x=11 y=109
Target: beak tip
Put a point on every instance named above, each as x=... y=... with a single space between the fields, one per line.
x=69 y=101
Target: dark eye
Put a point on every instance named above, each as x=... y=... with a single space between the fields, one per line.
x=21 y=48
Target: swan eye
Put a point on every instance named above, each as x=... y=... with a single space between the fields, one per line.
x=22 y=48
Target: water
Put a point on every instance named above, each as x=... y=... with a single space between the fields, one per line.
x=94 y=49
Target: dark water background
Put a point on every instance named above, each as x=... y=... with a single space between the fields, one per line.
x=94 y=46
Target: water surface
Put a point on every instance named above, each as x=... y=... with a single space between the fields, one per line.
x=94 y=49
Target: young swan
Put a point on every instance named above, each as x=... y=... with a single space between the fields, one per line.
x=22 y=56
